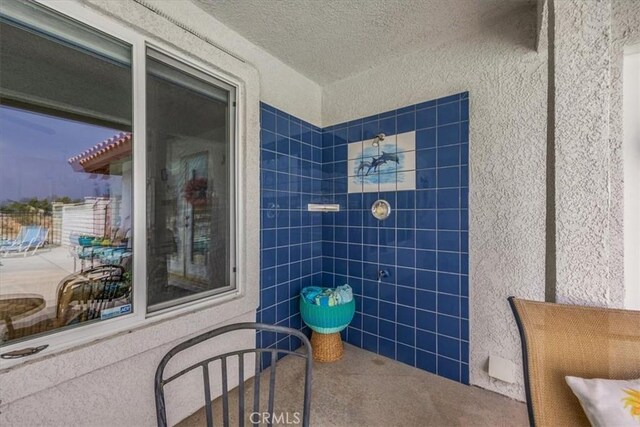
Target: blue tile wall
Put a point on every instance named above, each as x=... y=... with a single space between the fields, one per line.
x=291 y=237
x=419 y=314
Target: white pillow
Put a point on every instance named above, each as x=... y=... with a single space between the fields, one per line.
x=608 y=402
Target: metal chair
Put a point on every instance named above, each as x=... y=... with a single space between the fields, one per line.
x=160 y=381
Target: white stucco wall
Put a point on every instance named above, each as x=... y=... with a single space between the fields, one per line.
x=582 y=101
x=590 y=42
x=625 y=31
x=506 y=79
x=280 y=85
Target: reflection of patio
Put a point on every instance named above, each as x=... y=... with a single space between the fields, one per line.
x=36 y=274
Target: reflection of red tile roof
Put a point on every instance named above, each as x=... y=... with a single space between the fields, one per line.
x=97 y=158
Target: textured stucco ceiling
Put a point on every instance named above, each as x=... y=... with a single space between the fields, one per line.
x=328 y=40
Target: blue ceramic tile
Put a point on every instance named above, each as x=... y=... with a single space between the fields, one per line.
x=354 y=337
x=426 y=361
x=464 y=241
x=426 y=239
x=327 y=139
x=449 y=283
x=405 y=334
x=406 y=354
x=426 y=300
x=387 y=348
x=405 y=315
x=448 y=219
x=426 y=280
x=426 y=260
x=340 y=136
x=464 y=263
x=449 y=326
x=370 y=342
x=464 y=308
x=464 y=219
x=447 y=99
x=426 y=341
x=405 y=219
x=426 y=118
x=306 y=164
x=464 y=372
x=369 y=129
x=267 y=120
x=464 y=109
x=448 y=156
x=267 y=140
x=449 y=262
x=405 y=238
x=426 y=219
x=405 y=199
x=388 y=126
x=427 y=104
x=387 y=292
x=387 y=330
x=282 y=126
x=464 y=138
x=405 y=296
x=448 y=304
x=426 y=178
x=448 y=177
x=448 y=135
x=449 y=368
x=448 y=240
x=426 y=138
x=387 y=311
x=448 y=113
x=426 y=199
x=449 y=347
x=406 y=122
x=267 y=107
x=464 y=176
x=464 y=329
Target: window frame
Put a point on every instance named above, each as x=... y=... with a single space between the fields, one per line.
x=140 y=317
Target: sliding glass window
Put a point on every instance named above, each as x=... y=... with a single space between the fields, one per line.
x=69 y=180
x=190 y=157
x=65 y=174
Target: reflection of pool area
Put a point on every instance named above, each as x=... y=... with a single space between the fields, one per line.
x=36 y=274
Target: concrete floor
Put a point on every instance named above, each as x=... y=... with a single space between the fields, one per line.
x=39 y=273
x=365 y=389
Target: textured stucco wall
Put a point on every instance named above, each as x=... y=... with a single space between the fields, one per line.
x=280 y=85
x=625 y=31
x=582 y=99
x=506 y=80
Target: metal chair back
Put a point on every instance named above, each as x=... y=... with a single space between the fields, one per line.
x=306 y=354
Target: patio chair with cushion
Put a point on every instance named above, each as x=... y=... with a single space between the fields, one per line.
x=204 y=367
x=30 y=238
x=567 y=340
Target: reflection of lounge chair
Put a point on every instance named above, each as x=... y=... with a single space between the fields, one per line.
x=29 y=240
x=82 y=297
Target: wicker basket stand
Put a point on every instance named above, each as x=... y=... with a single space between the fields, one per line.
x=326 y=322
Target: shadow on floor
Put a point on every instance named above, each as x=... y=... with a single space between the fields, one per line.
x=365 y=389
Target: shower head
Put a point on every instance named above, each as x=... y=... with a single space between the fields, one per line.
x=376 y=141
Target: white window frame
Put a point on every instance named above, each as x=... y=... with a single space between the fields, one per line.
x=83 y=334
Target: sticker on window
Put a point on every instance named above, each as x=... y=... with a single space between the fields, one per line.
x=108 y=313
